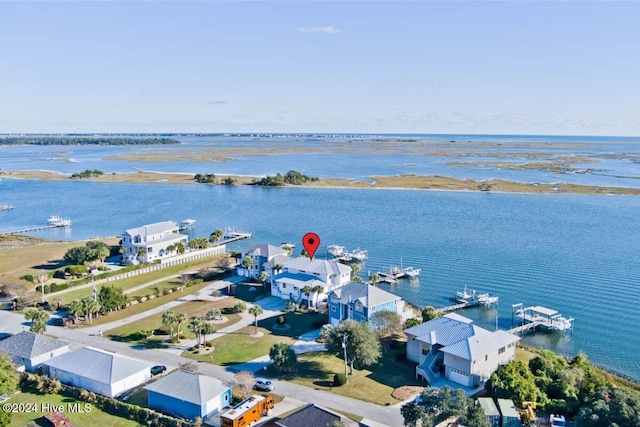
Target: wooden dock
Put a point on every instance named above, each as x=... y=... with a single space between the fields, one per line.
x=28 y=230
x=527 y=327
x=456 y=307
x=230 y=235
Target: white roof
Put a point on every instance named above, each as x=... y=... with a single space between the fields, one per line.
x=507 y=408
x=317 y=266
x=481 y=343
x=542 y=310
x=189 y=387
x=265 y=250
x=155 y=228
x=98 y=365
x=488 y=406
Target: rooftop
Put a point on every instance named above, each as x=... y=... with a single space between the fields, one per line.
x=29 y=345
x=189 y=387
x=155 y=228
x=507 y=408
x=298 y=279
x=312 y=415
x=317 y=266
x=481 y=343
x=488 y=406
x=265 y=250
x=368 y=295
x=445 y=330
x=98 y=365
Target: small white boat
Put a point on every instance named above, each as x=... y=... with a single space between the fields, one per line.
x=336 y=250
x=412 y=272
x=57 y=221
x=359 y=254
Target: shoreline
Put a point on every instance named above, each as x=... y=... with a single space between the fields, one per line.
x=393 y=182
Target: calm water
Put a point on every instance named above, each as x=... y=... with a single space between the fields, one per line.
x=354 y=159
x=576 y=254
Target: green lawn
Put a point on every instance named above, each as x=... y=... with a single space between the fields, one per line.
x=153 y=289
x=374 y=384
x=95 y=418
x=249 y=292
x=240 y=347
x=132 y=282
x=191 y=309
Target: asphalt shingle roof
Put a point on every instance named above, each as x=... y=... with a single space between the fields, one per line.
x=368 y=295
x=189 y=386
x=312 y=416
x=29 y=345
x=98 y=365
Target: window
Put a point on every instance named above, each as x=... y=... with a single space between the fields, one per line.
x=373 y=309
x=284 y=286
x=150 y=249
x=502 y=350
x=333 y=308
x=486 y=357
x=424 y=351
x=358 y=306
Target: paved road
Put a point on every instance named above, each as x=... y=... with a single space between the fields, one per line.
x=389 y=415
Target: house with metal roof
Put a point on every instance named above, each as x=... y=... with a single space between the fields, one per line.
x=490 y=410
x=151 y=242
x=105 y=373
x=359 y=301
x=453 y=347
x=313 y=415
x=261 y=255
x=28 y=350
x=188 y=395
x=510 y=416
x=300 y=272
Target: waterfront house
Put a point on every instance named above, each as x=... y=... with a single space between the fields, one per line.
x=151 y=242
x=101 y=372
x=301 y=272
x=260 y=255
x=28 y=350
x=313 y=415
x=188 y=395
x=359 y=301
x=453 y=347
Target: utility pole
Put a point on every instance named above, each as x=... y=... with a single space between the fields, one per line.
x=344 y=347
x=93 y=285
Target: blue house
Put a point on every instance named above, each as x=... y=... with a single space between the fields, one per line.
x=188 y=395
x=358 y=301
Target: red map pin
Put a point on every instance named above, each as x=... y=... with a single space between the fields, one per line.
x=311 y=241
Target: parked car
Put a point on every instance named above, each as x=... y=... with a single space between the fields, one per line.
x=158 y=369
x=557 y=420
x=264 y=384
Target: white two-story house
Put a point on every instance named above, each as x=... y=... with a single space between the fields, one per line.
x=151 y=242
x=300 y=272
x=453 y=347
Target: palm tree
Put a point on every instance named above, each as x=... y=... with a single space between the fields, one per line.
x=197 y=325
x=374 y=278
x=317 y=290
x=247 y=262
x=263 y=277
x=214 y=314
x=256 y=310
x=75 y=308
x=207 y=328
x=90 y=306
x=168 y=319
x=31 y=314
x=180 y=319
x=216 y=235
x=102 y=253
x=39 y=322
x=307 y=290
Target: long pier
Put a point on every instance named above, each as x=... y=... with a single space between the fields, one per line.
x=233 y=236
x=524 y=328
x=27 y=230
x=457 y=306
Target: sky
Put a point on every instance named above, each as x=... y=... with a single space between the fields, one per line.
x=562 y=68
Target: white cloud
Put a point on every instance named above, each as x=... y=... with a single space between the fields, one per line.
x=329 y=29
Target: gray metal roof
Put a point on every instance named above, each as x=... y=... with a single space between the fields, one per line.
x=481 y=343
x=150 y=229
x=265 y=250
x=189 y=386
x=29 y=345
x=299 y=280
x=368 y=295
x=445 y=330
x=488 y=406
x=507 y=408
x=98 y=365
x=278 y=259
x=317 y=266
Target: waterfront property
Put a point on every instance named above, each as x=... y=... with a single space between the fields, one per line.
x=264 y=257
x=151 y=242
x=188 y=395
x=359 y=301
x=96 y=370
x=28 y=350
x=456 y=348
x=301 y=272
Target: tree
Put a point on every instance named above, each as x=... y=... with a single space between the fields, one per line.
x=430 y=313
x=214 y=314
x=78 y=255
x=247 y=262
x=180 y=319
x=5 y=418
x=180 y=247
x=184 y=281
x=111 y=298
x=363 y=345
x=307 y=290
x=39 y=319
x=410 y=323
x=386 y=323
x=304 y=253
x=317 y=290
x=246 y=381
x=169 y=319
x=256 y=311
x=75 y=308
x=197 y=325
x=263 y=277
x=435 y=405
x=612 y=406
x=215 y=236
x=90 y=306
x=9 y=378
x=514 y=381
x=283 y=357
x=207 y=329
x=374 y=278
x=239 y=307
x=102 y=253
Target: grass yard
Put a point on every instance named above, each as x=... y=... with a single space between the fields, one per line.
x=153 y=289
x=95 y=418
x=524 y=354
x=249 y=292
x=240 y=347
x=374 y=384
x=129 y=332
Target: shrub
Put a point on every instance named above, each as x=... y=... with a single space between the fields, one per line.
x=27 y=277
x=209 y=343
x=175 y=340
x=339 y=379
x=182 y=336
x=281 y=320
x=194 y=282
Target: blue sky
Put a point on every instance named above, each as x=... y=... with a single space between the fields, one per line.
x=375 y=67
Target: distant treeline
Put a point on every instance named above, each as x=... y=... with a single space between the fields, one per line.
x=291 y=177
x=83 y=140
